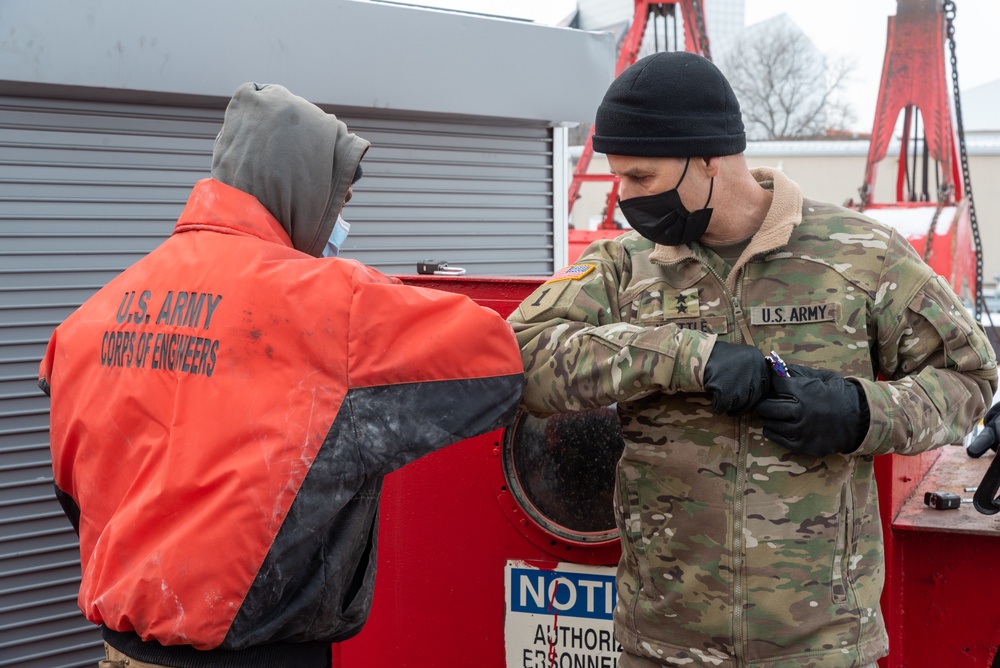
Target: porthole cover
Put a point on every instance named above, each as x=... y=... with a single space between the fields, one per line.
x=561 y=471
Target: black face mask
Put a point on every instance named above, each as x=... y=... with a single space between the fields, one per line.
x=662 y=218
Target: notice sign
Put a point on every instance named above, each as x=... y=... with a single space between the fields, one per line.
x=560 y=618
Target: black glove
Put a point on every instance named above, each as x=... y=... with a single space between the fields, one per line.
x=815 y=412
x=737 y=376
x=989 y=437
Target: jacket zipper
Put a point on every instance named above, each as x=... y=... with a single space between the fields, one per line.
x=739 y=639
x=845 y=538
x=741 y=332
x=741 y=464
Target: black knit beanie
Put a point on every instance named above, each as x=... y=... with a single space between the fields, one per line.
x=673 y=104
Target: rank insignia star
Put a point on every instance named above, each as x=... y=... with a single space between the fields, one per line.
x=683 y=303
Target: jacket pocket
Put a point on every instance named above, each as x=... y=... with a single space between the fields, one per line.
x=682 y=308
x=841 y=576
x=647 y=536
x=633 y=534
x=674 y=584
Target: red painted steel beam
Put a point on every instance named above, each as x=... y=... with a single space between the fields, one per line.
x=913 y=75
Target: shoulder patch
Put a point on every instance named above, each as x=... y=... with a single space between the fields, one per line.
x=573 y=272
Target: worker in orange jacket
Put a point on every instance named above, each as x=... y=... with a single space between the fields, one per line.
x=223 y=412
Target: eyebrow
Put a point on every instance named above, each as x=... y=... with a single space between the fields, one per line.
x=634 y=172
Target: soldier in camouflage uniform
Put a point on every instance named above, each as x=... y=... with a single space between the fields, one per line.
x=747 y=507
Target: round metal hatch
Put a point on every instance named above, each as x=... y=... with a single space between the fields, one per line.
x=561 y=472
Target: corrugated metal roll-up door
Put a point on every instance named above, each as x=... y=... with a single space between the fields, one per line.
x=476 y=196
x=87 y=188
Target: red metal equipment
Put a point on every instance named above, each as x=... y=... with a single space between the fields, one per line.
x=451 y=525
x=939 y=612
x=939 y=224
x=913 y=78
x=695 y=40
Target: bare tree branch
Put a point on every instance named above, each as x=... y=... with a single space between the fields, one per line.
x=787 y=88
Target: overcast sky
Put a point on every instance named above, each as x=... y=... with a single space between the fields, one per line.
x=855 y=29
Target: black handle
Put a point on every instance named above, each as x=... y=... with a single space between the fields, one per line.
x=985 y=498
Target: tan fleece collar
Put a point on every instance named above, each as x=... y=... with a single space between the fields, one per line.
x=785 y=213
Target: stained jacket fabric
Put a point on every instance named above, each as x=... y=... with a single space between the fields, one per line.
x=735 y=551
x=223 y=414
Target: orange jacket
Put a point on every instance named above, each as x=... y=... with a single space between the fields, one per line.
x=224 y=411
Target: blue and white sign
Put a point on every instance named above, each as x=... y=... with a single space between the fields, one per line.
x=560 y=618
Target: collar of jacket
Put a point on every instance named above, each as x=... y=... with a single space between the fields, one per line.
x=216 y=207
x=785 y=213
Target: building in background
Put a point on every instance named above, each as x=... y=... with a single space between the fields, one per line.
x=610 y=15
x=979 y=109
x=724 y=20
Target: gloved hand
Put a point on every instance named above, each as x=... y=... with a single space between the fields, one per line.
x=815 y=412
x=989 y=437
x=737 y=376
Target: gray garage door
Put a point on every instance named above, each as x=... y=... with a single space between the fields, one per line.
x=87 y=188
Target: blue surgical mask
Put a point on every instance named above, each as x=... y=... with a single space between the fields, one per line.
x=337 y=237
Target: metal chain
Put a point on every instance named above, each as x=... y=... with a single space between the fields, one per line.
x=702 y=36
x=932 y=229
x=980 y=300
x=865 y=192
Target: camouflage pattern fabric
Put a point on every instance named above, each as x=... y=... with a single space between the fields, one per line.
x=735 y=551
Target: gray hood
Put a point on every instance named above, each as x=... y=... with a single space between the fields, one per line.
x=296 y=159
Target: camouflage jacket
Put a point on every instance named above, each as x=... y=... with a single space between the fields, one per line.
x=735 y=551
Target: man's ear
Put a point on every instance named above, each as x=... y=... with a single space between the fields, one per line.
x=711 y=166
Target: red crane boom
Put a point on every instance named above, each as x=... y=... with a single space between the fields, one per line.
x=694 y=26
